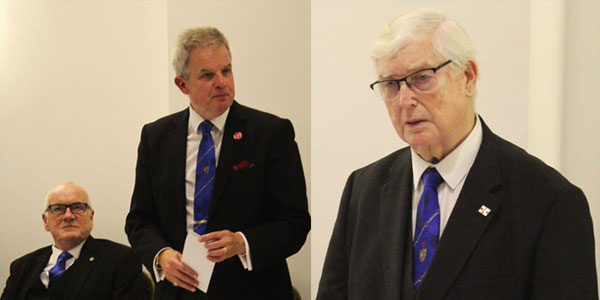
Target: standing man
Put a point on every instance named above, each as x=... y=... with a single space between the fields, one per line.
x=76 y=266
x=460 y=213
x=225 y=171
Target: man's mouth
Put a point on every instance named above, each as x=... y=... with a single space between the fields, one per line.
x=221 y=96
x=415 y=122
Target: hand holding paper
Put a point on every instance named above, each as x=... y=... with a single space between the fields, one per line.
x=195 y=256
x=223 y=244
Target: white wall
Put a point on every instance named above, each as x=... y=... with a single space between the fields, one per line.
x=531 y=90
x=78 y=80
x=580 y=140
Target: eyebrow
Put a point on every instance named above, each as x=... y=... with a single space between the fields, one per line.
x=410 y=71
x=211 y=71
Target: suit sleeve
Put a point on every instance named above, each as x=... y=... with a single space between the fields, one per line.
x=287 y=221
x=11 y=288
x=565 y=265
x=143 y=234
x=334 y=278
x=128 y=281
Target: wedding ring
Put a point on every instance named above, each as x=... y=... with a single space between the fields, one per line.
x=174 y=284
x=224 y=250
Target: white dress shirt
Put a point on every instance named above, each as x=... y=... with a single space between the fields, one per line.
x=194 y=136
x=453 y=169
x=45 y=275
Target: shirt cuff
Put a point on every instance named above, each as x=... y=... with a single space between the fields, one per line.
x=158 y=274
x=245 y=258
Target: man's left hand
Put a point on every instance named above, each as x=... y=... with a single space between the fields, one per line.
x=223 y=244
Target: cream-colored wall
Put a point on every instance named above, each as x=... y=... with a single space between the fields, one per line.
x=538 y=73
x=580 y=140
x=78 y=80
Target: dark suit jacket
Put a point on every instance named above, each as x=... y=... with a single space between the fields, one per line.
x=267 y=201
x=536 y=243
x=104 y=270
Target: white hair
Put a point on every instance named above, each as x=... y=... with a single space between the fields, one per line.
x=62 y=185
x=199 y=37
x=450 y=41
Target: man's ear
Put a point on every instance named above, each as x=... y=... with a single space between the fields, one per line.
x=471 y=72
x=181 y=84
x=45 y=218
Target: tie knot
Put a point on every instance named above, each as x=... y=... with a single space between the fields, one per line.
x=431 y=178
x=205 y=127
x=64 y=256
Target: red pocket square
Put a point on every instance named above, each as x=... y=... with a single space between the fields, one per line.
x=242 y=165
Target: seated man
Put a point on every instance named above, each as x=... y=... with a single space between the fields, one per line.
x=77 y=266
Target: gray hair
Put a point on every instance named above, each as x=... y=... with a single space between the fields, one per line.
x=450 y=41
x=200 y=37
x=68 y=183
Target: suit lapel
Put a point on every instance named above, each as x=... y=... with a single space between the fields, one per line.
x=175 y=159
x=394 y=221
x=466 y=224
x=177 y=141
x=82 y=268
x=33 y=278
x=230 y=147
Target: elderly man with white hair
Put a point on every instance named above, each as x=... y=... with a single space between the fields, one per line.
x=460 y=213
x=76 y=266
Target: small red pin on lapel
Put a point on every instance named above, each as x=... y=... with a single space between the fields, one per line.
x=237 y=136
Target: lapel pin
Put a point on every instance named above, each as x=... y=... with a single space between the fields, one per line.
x=484 y=210
x=237 y=135
x=92 y=258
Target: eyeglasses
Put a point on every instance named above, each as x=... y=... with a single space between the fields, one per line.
x=77 y=208
x=422 y=80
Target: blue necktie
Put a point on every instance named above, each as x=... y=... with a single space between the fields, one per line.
x=427 y=229
x=205 y=177
x=59 y=268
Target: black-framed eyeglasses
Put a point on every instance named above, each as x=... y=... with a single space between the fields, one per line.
x=422 y=81
x=77 y=208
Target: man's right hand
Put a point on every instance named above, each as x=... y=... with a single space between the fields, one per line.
x=176 y=271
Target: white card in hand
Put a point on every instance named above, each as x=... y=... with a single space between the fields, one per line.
x=194 y=256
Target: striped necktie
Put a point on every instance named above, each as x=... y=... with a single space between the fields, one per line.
x=427 y=228
x=205 y=178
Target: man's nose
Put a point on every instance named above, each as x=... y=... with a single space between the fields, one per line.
x=219 y=80
x=406 y=96
x=68 y=214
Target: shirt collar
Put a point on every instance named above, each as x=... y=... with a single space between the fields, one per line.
x=455 y=166
x=75 y=251
x=195 y=120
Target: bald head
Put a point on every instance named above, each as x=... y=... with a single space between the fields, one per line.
x=72 y=222
x=68 y=187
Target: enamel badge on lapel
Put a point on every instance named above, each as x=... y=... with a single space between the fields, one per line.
x=92 y=258
x=484 y=210
x=237 y=136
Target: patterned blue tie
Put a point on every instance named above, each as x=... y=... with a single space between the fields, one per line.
x=427 y=229
x=59 y=268
x=205 y=177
